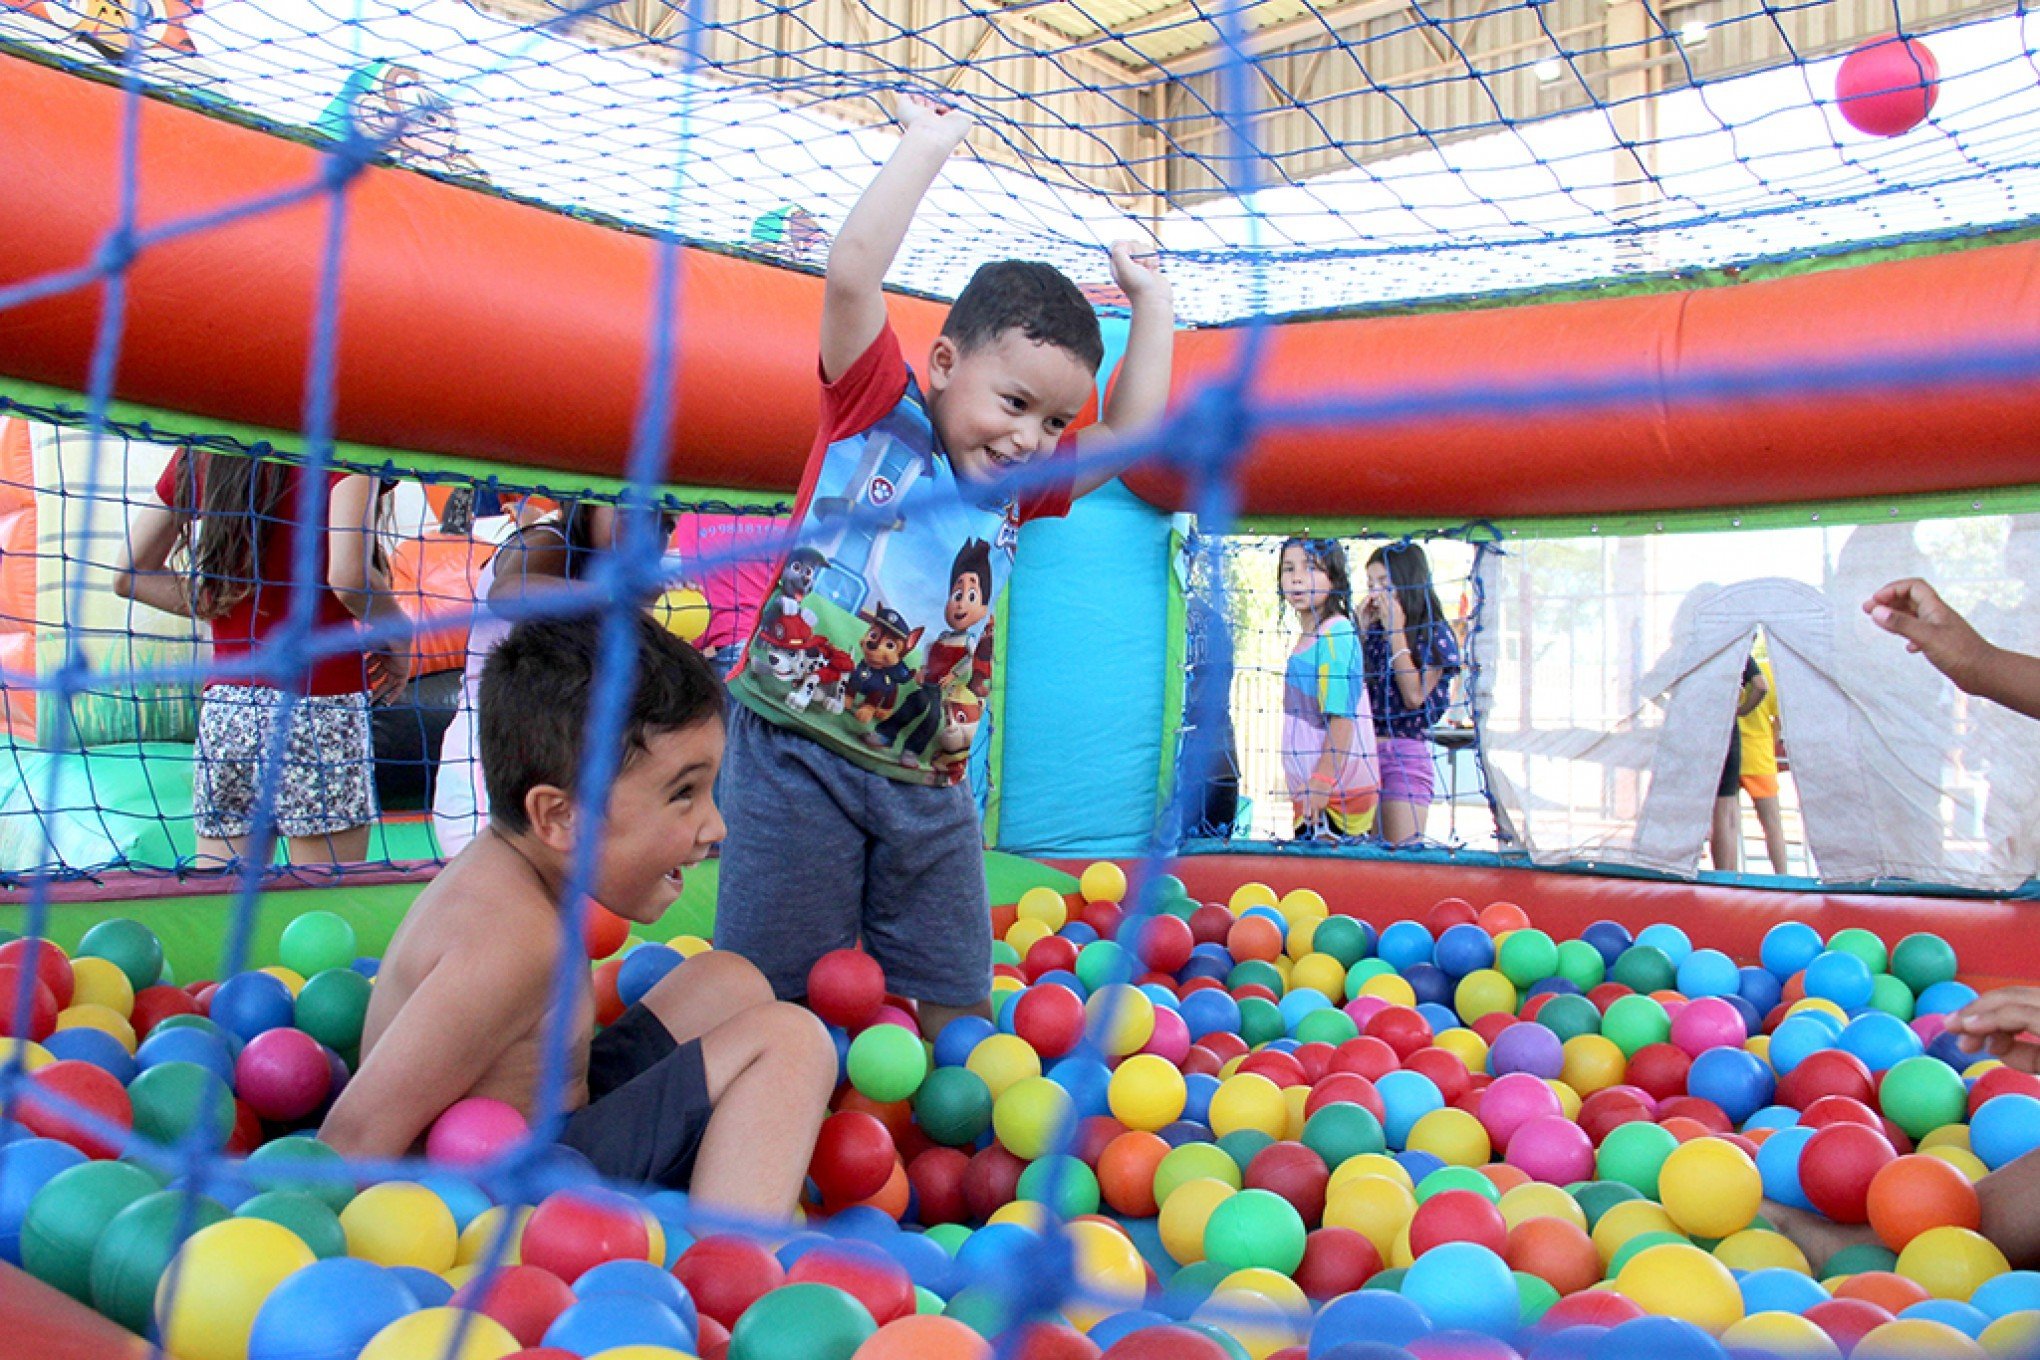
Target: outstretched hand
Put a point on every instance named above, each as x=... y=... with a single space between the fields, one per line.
x=1137 y=269
x=917 y=112
x=2002 y=1024
x=1931 y=627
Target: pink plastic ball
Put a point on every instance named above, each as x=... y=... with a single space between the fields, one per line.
x=1888 y=87
x=1171 y=1039
x=1513 y=1101
x=889 y=1014
x=1707 y=1022
x=1365 y=1008
x=1553 y=1149
x=282 y=1074
x=1929 y=1027
x=474 y=1130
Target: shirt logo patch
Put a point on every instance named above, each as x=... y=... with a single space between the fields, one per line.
x=882 y=491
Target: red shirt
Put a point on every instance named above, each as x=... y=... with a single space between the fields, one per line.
x=263 y=610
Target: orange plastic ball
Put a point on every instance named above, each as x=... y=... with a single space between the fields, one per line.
x=925 y=1336
x=1497 y=917
x=1918 y=1192
x=1126 y=1172
x=891 y=1200
x=1254 y=937
x=1556 y=1252
x=603 y=931
x=1893 y=1293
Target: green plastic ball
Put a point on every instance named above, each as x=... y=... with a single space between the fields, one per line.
x=1635 y=1022
x=1363 y=972
x=315 y=942
x=1570 y=1016
x=927 y=1301
x=1527 y=956
x=314 y=1222
x=174 y=1099
x=1227 y=1342
x=1922 y=1094
x=129 y=946
x=1260 y=1021
x=888 y=1063
x=1457 y=1178
x=1644 y=969
x=953 y=1106
x=1343 y=937
x=1921 y=960
x=1063 y=1183
x=1598 y=1197
x=1005 y=953
x=983 y=1309
x=1390 y=1279
x=948 y=1236
x=1102 y=963
x=1534 y=1297
x=68 y=1216
x=1194 y=1283
x=332 y=1007
x=1255 y=1228
x=801 y=1322
x=1190 y=1162
x=136 y=1248
x=1341 y=1131
x=1891 y=996
x=1255 y=973
x=1864 y=945
x=1858 y=1258
x=295 y=1164
x=1243 y=1145
x=1643 y=1242
x=1582 y=965
x=1633 y=1154
x=1328 y=1026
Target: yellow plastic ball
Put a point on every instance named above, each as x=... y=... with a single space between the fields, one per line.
x=1675 y=1280
x=1787 y=1336
x=1465 y=1045
x=1916 y=1339
x=1710 y=1188
x=401 y=1223
x=1817 y=1003
x=480 y=1234
x=1979 y=1067
x=1948 y=1135
x=1453 y=1136
x=688 y=946
x=1538 y=1200
x=1626 y=1220
x=1029 y=1115
x=1120 y=1018
x=1183 y=1218
x=430 y=1333
x=1269 y=1284
x=1002 y=984
x=1109 y=1273
x=1484 y=991
x=1375 y=1207
x=1760 y=1045
x=1393 y=988
x=1758 y=1249
x=1030 y=1214
x=289 y=977
x=224 y=1273
x=1950 y=1263
x=1259 y=1325
x=101 y=1018
x=96 y=982
x=2015 y=1336
x=1024 y=934
x=1401 y=1256
x=1592 y=1062
x=1103 y=881
x=683 y=611
x=1248 y=1100
x=1147 y=1092
x=1962 y=1159
x=1250 y=895
x=1370 y=1164
x=1297 y=943
x=1568 y=1099
x=1045 y=905
x=1319 y=973
x=34 y=1057
x=1302 y=904
x=1002 y=1059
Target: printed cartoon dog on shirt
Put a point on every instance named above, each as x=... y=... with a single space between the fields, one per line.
x=875 y=681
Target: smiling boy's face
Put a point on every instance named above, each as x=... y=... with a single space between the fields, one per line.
x=662 y=819
x=1001 y=405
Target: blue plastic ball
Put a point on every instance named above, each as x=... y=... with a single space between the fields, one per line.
x=1772 y=1117
x=94 y=1046
x=925 y=1262
x=1759 y=988
x=1673 y=942
x=1199 y=1088
x=1964 y=1318
x=1841 y=978
x=954 y=1044
x=1405 y=943
x=1464 y=1285
x=186 y=1044
x=643 y=969
x=1796 y=1040
x=1417 y=1165
x=1464 y=949
x=2015 y=1291
x=249 y=1004
x=1778 y=1166
x=1881 y=1041
x=1778 y=1290
x=1733 y=1078
x=601 y=1322
x=1660 y=1338
x=329 y=1311
x=1440 y=1018
x=1297 y=1004
x=1210 y=1011
x=1079 y=933
x=463 y=1197
x=26 y=1167
x=1609 y=939
x=645 y=1280
x=1406 y=1097
x=1788 y=947
x=1122 y=1325
x=429 y=1289
x=1708 y=972
x=1368 y=1315
x=1087 y=1080
x=1943 y=998
x=2004 y=1128
x=1431 y=983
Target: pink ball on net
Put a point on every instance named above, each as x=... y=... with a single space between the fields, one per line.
x=474 y=1130
x=1888 y=87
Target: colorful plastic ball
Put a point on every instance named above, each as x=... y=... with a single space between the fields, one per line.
x=475 y=1130
x=27 y=1165
x=317 y=1226
x=1839 y=977
x=1369 y=1315
x=726 y=1274
x=1102 y=881
x=953 y=1106
x=1065 y=1184
x=1887 y=87
x=1736 y=1080
x=247 y=1004
x=1456 y=1216
x=1921 y=960
x=1122 y=1019
x=1837 y=1166
x=2016 y=1291
x=1707 y=1022
x=102 y=1050
x=1781 y=1335
x=854 y=1155
x=177 y=1102
x=604 y=1321
x=1788 y=947
x=887 y=1063
x=81 y=1085
x=2005 y=1128
x=1553 y=1149
x=1711 y=1188
x=1634 y=1023
x=128 y=945
x=332 y=1006
x=282 y=1074
x=1147 y=1093
x=1050 y=1018
x=1513 y=1101
x=431 y=1332
x=1463 y=1285
x=400 y=1223
x=846 y=988
x=208 y=1300
x=1406 y=1097
x=317 y=941
x=1527 y=1048
x=1453 y=1136
x=135 y=1249
x=303 y=1165
x=1255 y=1228
x=1682 y=1282
x=1951 y=1262
x=1921 y=1094
x=1030 y=1116
x=1634 y=1154
x=68 y=1216
x=1644 y=968
x=329 y=1310
x=1526 y=956
x=801 y=1322
x=1484 y=992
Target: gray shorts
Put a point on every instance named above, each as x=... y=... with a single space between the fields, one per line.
x=821 y=853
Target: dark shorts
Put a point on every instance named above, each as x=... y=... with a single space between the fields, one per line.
x=821 y=853
x=1731 y=772
x=647 y=1103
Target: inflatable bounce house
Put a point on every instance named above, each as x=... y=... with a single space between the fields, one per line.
x=1468 y=877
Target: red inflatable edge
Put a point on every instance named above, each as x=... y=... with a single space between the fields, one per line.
x=477 y=327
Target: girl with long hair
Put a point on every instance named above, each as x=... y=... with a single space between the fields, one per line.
x=1327 y=735
x=1411 y=654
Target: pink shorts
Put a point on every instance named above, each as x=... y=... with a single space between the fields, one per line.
x=1407 y=772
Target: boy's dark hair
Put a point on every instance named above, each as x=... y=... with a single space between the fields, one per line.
x=1037 y=299
x=534 y=703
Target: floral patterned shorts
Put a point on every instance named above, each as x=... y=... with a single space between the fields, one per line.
x=325 y=783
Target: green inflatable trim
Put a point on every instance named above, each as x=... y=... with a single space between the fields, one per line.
x=194 y=929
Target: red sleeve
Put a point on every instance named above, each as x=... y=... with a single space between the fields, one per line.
x=166 y=485
x=867 y=391
x=1051 y=499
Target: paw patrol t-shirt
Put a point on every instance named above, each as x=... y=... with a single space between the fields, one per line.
x=876 y=638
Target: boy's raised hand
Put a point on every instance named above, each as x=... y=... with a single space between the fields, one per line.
x=1931 y=627
x=1137 y=269
x=919 y=113
x=2002 y=1024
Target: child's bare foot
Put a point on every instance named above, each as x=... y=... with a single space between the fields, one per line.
x=1815 y=1234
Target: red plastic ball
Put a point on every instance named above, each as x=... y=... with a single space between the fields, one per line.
x=1095 y=1133
x=1315 y=1059
x=573 y=1231
x=282 y=1074
x=1701 y=1111
x=1345 y=1088
x=1049 y=954
x=90 y=1088
x=725 y=1275
x=1836 y=1167
x=1605 y=1111
x=1366 y=1056
x=1828 y=1072
x=853 y=1158
x=1164 y=943
x=1281 y=1068
x=1607 y=994
x=1050 y=1018
x=1049 y=1341
x=1201 y=1061
x=1847 y=1321
x=523 y=1298
x=1555 y=1251
x=1838 y=1110
x=1445 y=1070
x=247 y=1134
x=1490 y=1026
x=1209 y=924
x=711 y=1342
x=51 y=965
x=1589 y=1308
x=1104 y=917
x=992 y=1180
x=937 y=1180
x=1660 y=1069
x=1458 y=1216
x=846 y=987
x=1225 y=1045
x=1401 y=1028
x=603 y=932
x=1166 y=1343
x=153 y=1005
x=1448 y=912
x=1294 y=1172
x=42 y=1010
x=1336 y=1261
x=1888 y=87
x=866 y=1274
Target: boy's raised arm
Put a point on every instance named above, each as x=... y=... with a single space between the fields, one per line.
x=1141 y=392
x=853 y=303
x=441 y=1043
